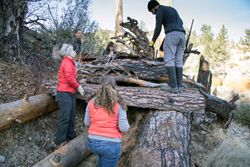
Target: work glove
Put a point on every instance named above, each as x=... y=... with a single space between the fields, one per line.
x=81 y=90
x=111 y=53
x=151 y=46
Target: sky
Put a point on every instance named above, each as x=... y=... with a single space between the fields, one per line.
x=234 y=14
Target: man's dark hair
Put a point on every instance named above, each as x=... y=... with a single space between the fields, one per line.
x=109 y=44
x=77 y=30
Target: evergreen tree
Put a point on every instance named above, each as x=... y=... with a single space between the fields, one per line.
x=221 y=49
x=207 y=41
x=246 y=42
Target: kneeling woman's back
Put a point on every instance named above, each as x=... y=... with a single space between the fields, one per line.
x=107 y=120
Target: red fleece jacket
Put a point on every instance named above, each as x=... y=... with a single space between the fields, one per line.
x=67 y=76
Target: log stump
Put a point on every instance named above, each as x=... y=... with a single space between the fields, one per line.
x=164 y=141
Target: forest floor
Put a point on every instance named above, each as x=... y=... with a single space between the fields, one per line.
x=30 y=142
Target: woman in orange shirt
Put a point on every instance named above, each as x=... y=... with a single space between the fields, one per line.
x=107 y=120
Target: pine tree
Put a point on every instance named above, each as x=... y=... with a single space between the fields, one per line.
x=207 y=41
x=246 y=42
x=221 y=50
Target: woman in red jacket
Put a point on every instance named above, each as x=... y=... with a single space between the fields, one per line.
x=66 y=95
x=106 y=115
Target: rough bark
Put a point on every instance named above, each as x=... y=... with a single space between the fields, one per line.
x=118 y=20
x=164 y=141
x=21 y=111
x=221 y=107
x=68 y=155
x=134 y=66
x=153 y=98
x=144 y=83
x=205 y=75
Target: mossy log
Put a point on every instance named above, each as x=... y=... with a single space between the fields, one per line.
x=21 y=111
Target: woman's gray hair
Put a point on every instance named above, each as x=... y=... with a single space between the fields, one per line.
x=66 y=50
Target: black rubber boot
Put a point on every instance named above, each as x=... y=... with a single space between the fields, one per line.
x=179 y=77
x=172 y=81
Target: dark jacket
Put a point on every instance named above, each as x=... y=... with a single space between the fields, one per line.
x=105 y=52
x=76 y=43
x=169 y=18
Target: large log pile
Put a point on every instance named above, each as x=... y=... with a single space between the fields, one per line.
x=165 y=137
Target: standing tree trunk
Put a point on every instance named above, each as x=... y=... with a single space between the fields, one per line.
x=224 y=70
x=164 y=141
x=118 y=20
x=205 y=75
x=162 y=34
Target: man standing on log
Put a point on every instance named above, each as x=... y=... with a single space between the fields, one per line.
x=76 y=41
x=174 y=42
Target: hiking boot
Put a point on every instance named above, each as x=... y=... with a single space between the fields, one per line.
x=169 y=89
x=179 y=77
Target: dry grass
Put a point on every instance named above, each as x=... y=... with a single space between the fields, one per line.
x=234 y=149
x=32 y=141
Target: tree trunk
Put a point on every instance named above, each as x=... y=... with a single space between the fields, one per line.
x=153 y=98
x=118 y=20
x=69 y=155
x=224 y=70
x=205 y=75
x=164 y=141
x=221 y=107
x=162 y=34
x=20 y=111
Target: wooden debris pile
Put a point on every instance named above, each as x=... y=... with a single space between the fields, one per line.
x=164 y=134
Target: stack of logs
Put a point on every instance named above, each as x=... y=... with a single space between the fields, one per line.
x=166 y=134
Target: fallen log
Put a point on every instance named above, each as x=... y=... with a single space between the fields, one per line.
x=21 y=111
x=140 y=82
x=221 y=107
x=164 y=141
x=146 y=70
x=152 y=98
x=68 y=155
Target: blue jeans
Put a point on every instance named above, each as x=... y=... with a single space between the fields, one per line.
x=108 y=152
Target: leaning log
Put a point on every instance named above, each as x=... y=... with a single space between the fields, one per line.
x=21 y=111
x=164 y=141
x=221 y=107
x=68 y=155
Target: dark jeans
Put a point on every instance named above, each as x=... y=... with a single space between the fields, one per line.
x=67 y=108
x=108 y=152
